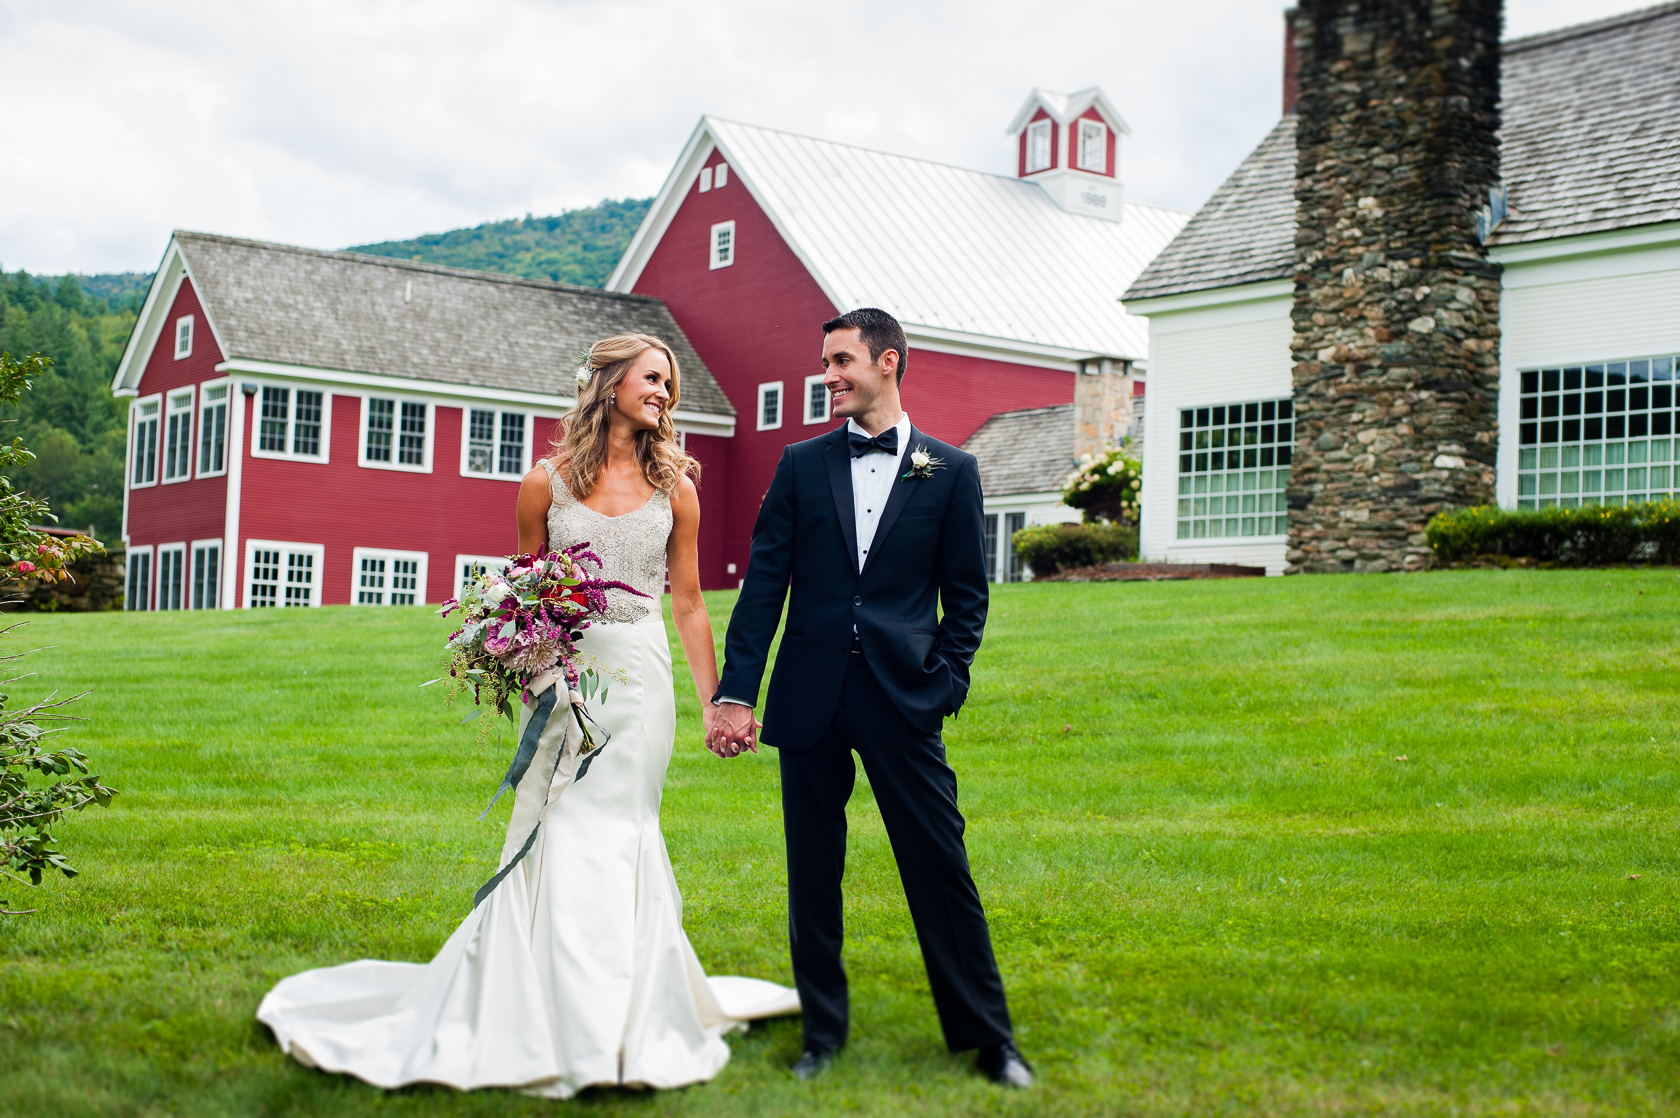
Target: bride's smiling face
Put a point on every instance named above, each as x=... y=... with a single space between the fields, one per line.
x=645 y=392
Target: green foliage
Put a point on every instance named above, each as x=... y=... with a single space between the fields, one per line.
x=1048 y=548
x=1106 y=486
x=77 y=427
x=577 y=246
x=1581 y=537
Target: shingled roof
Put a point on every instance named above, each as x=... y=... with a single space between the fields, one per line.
x=1028 y=451
x=1590 y=142
x=346 y=311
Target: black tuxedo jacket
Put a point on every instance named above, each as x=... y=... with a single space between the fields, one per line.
x=929 y=550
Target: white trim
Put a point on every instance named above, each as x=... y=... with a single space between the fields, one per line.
x=232 y=584
x=765 y=389
x=315 y=551
x=183 y=332
x=179 y=550
x=1012 y=350
x=495 y=474
x=144 y=551
x=1041 y=129
x=720 y=176
x=291 y=391
x=397 y=402
x=134 y=421
x=206 y=404
x=170 y=411
x=805 y=401
x=1079 y=124
x=1209 y=297
x=193 y=549
x=172 y=271
x=359 y=591
x=498 y=562
x=1072 y=107
x=724 y=246
x=1586 y=244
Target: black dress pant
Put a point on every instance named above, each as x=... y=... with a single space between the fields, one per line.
x=917 y=794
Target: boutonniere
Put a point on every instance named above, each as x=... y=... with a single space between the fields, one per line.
x=922 y=464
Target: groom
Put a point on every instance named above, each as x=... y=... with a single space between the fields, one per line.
x=874 y=526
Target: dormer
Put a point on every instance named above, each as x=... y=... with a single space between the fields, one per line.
x=1069 y=143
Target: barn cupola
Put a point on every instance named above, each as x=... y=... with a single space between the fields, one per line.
x=1069 y=143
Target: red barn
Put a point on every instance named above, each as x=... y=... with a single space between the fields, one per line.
x=1007 y=286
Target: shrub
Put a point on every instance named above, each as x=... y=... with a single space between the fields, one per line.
x=1049 y=548
x=1583 y=537
x=1106 y=486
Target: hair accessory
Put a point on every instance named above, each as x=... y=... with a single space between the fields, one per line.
x=584 y=374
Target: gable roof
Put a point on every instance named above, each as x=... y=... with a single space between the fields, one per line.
x=1027 y=451
x=343 y=311
x=1064 y=107
x=1590 y=141
x=957 y=255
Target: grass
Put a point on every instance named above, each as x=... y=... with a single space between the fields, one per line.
x=1214 y=886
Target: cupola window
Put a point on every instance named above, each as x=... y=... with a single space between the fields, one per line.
x=1038 y=146
x=1093 y=146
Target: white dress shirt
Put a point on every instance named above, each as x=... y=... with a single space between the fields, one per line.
x=872 y=480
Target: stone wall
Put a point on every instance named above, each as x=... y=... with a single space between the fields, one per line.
x=1103 y=406
x=1396 y=351
x=95 y=583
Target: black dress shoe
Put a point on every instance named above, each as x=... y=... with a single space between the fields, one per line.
x=811 y=1063
x=1003 y=1064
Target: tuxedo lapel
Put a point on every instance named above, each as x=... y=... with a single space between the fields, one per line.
x=838 y=459
x=903 y=486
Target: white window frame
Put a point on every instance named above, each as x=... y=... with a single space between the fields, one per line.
x=705 y=179
x=720 y=175
x=1039 y=136
x=397 y=402
x=486 y=562
x=723 y=227
x=143 y=551
x=764 y=389
x=316 y=551
x=205 y=406
x=385 y=590
x=816 y=380
x=171 y=411
x=1098 y=138
x=178 y=552
x=183 y=336
x=134 y=423
x=212 y=600
x=255 y=436
x=495 y=473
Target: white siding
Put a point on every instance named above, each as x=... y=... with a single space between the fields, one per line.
x=1208 y=355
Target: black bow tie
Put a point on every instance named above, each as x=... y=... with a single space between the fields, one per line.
x=886 y=442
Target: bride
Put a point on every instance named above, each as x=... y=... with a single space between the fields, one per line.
x=574 y=972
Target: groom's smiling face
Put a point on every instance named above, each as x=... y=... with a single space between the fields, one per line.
x=854 y=382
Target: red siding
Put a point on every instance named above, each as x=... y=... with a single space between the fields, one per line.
x=182 y=511
x=1021 y=156
x=1073 y=138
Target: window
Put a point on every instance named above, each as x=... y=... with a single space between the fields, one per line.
x=723 y=244
x=770 y=406
x=212 y=430
x=138 y=595
x=705 y=179
x=990 y=522
x=292 y=423
x=389 y=578
x=1597 y=434
x=282 y=575
x=183 y=336
x=177 y=437
x=1233 y=465
x=495 y=444
x=1013 y=522
x=171 y=578
x=469 y=567
x=1093 y=146
x=720 y=176
x=394 y=434
x=145 y=442
x=816 y=399
x=207 y=574
x=1038 y=146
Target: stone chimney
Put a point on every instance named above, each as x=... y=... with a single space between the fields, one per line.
x=1396 y=335
x=1102 y=404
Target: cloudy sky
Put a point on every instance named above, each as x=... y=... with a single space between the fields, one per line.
x=338 y=122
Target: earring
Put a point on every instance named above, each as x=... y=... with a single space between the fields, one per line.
x=612 y=398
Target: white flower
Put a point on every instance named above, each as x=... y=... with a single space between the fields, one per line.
x=920 y=458
x=583 y=374
x=494 y=595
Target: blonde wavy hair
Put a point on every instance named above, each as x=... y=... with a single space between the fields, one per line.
x=580 y=444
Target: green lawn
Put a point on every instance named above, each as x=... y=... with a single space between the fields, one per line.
x=1215 y=886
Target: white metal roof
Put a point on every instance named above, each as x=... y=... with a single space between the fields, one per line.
x=957 y=255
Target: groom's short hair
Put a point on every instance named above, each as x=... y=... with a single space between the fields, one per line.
x=880 y=332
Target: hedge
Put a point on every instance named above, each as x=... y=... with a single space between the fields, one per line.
x=1049 y=548
x=1583 y=537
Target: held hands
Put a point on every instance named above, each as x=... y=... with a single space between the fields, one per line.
x=730 y=728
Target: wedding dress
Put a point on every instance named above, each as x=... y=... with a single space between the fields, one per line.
x=575 y=971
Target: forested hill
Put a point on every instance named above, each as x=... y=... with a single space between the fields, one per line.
x=577 y=246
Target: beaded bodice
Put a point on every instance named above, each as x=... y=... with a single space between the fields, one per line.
x=631 y=547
